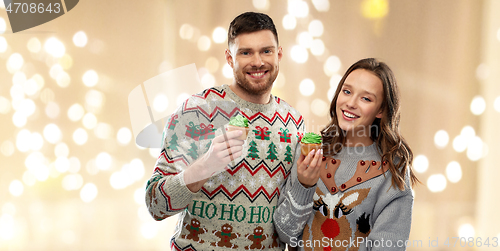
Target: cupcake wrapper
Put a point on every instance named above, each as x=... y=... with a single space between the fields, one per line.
x=244 y=129
x=305 y=149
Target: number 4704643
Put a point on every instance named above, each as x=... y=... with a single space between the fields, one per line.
x=33 y=8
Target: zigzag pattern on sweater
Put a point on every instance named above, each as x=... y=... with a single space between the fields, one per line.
x=204 y=94
x=227 y=115
x=173 y=159
x=221 y=93
x=161 y=172
x=261 y=165
x=175 y=247
x=243 y=163
x=169 y=207
x=242 y=190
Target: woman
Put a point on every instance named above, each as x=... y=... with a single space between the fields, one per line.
x=359 y=196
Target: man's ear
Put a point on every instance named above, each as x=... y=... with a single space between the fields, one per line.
x=280 y=53
x=229 y=58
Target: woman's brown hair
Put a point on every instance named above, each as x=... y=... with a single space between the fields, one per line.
x=384 y=131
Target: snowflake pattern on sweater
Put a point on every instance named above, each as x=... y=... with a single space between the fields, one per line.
x=235 y=207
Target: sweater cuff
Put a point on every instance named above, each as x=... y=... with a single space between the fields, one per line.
x=183 y=195
x=302 y=196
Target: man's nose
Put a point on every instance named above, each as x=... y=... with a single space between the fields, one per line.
x=257 y=60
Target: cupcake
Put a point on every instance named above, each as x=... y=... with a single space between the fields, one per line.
x=239 y=123
x=310 y=141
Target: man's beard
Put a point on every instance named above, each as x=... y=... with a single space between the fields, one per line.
x=256 y=89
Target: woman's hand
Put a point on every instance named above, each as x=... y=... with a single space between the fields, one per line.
x=308 y=168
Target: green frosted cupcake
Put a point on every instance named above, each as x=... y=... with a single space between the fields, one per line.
x=239 y=122
x=309 y=142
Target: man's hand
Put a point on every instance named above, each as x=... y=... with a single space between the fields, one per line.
x=308 y=168
x=224 y=149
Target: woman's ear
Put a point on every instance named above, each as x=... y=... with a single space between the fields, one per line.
x=380 y=113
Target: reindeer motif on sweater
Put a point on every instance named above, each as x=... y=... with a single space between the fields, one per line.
x=330 y=218
x=353 y=201
x=331 y=210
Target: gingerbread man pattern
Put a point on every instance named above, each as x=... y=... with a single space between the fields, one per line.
x=194 y=231
x=275 y=241
x=226 y=235
x=257 y=238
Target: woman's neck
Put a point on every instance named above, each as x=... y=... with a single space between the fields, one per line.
x=352 y=141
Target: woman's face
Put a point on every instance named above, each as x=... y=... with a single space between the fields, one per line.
x=359 y=102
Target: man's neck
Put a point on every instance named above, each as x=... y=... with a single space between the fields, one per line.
x=257 y=99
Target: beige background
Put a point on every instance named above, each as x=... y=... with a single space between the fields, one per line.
x=434 y=47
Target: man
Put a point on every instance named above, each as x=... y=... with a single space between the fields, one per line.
x=226 y=189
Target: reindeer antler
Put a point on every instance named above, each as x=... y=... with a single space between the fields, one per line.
x=365 y=171
x=327 y=174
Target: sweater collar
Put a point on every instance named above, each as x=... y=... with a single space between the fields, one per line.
x=359 y=151
x=246 y=104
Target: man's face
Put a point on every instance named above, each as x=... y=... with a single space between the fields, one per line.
x=255 y=59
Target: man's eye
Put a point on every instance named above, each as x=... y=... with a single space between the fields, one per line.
x=267 y=51
x=245 y=53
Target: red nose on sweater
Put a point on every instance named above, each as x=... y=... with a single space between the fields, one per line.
x=330 y=228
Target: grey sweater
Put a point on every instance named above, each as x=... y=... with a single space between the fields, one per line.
x=352 y=207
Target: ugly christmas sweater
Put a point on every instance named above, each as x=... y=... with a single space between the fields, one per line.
x=234 y=209
x=352 y=207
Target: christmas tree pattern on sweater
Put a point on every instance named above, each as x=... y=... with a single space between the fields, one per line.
x=234 y=209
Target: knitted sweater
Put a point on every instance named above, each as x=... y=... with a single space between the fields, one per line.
x=234 y=209
x=352 y=207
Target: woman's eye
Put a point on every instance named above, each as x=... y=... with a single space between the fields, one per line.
x=347 y=92
x=367 y=99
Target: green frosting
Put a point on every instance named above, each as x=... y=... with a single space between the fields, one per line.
x=311 y=138
x=239 y=121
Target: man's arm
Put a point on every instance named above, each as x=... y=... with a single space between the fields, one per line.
x=179 y=172
x=224 y=148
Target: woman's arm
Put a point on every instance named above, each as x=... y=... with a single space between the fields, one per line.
x=392 y=218
x=295 y=204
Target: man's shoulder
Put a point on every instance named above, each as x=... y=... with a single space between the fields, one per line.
x=216 y=91
x=201 y=99
x=286 y=106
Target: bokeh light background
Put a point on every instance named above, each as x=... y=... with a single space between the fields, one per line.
x=72 y=177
